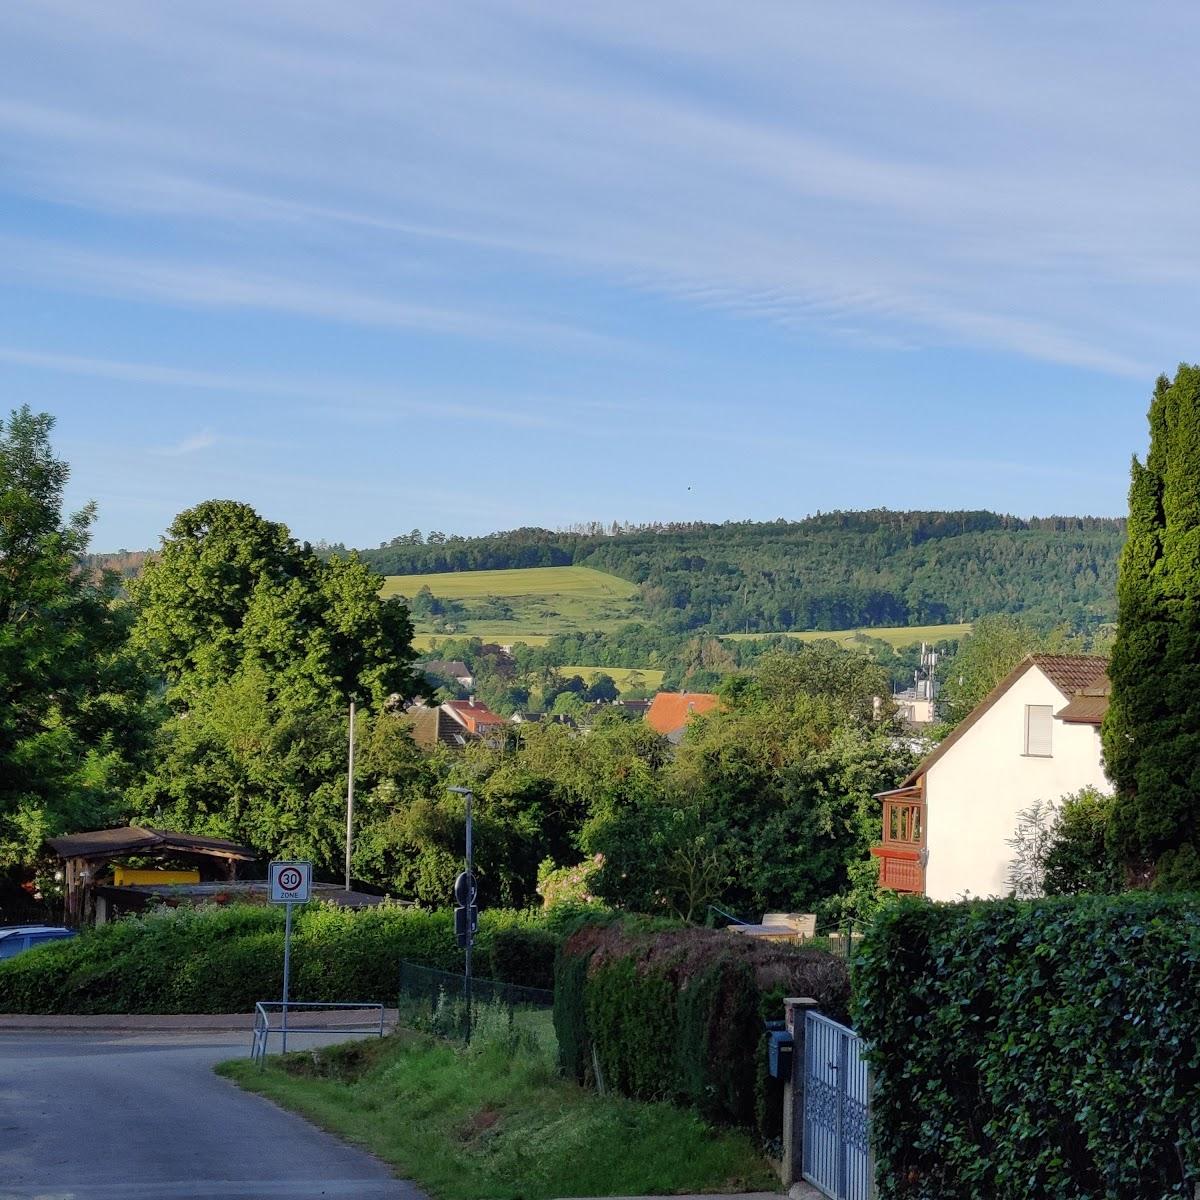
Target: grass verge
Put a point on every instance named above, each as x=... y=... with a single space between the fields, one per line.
x=496 y=1122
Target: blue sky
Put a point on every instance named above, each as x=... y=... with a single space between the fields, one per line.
x=374 y=265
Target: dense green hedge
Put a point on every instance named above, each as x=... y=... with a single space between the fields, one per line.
x=211 y=960
x=1035 y=1048
x=677 y=1013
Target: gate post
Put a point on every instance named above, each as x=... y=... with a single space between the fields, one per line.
x=794 y=1008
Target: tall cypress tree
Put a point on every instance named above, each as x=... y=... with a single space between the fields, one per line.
x=1152 y=730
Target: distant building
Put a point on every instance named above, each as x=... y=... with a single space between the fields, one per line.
x=474 y=717
x=1036 y=736
x=669 y=712
x=450 y=669
x=917 y=705
x=431 y=725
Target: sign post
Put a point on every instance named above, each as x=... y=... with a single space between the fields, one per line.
x=288 y=883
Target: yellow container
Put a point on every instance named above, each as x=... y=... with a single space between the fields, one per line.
x=128 y=876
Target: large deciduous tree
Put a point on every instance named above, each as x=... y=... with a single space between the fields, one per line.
x=261 y=645
x=1152 y=730
x=230 y=589
x=72 y=701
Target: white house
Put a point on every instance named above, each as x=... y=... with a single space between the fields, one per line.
x=1035 y=737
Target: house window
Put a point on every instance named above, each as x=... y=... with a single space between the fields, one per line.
x=1039 y=730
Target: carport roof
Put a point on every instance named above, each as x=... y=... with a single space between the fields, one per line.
x=134 y=839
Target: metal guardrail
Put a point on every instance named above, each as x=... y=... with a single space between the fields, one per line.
x=263 y=1029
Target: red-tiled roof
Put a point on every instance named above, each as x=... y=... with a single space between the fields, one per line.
x=1071 y=673
x=1087 y=707
x=473 y=714
x=1068 y=672
x=670 y=711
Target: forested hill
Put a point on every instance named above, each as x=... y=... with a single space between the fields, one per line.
x=831 y=571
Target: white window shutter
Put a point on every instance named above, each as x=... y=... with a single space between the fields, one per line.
x=1039 y=730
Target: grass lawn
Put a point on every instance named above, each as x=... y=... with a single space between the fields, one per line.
x=496 y=1123
x=544 y=600
x=896 y=635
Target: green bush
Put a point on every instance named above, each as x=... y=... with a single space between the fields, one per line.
x=524 y=955
x=211 y=960
x=1034 y=1048
x=658 y=1011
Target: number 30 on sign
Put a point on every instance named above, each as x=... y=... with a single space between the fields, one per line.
x=290 y=882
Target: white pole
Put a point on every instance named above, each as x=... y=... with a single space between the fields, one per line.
x=287 y=970
x=350 y=800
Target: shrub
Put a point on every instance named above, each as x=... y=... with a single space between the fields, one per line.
x=1077 y=858
x=523 y=955
x=1034 y=1048
x=675 y=1012
x=573 y=885
x=224 y=959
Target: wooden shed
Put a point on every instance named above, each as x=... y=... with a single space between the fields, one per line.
x=85 y=855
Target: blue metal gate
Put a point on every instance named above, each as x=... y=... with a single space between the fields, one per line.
x=837 y=1150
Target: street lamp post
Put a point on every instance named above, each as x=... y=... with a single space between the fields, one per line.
x=350 y=798
x=464 y=892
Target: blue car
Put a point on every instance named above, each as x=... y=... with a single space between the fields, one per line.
x=15 y=938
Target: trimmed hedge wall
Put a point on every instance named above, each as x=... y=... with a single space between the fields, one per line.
x=1034 y=1048
x=676 y=1013
x=212 y=960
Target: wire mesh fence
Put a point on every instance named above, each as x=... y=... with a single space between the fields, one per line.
x=436 y=1001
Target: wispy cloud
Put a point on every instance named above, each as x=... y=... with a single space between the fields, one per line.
x=188 y=445
x=516 y=228
x=374 y=404
x=922 y=173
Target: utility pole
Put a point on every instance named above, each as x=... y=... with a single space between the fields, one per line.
x=350 y=799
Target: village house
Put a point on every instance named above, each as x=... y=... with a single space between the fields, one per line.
x=669 y=712
x=431 y=725
x=459 y=672
x=475 y=717
x=1036 y=736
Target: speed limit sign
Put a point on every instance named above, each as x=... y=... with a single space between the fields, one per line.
x=290 y=882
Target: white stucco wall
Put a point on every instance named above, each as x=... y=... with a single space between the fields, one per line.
x=976 y=789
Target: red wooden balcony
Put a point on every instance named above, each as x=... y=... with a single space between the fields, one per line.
x=900 y=854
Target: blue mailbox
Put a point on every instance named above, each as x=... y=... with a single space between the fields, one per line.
x=780 y=1049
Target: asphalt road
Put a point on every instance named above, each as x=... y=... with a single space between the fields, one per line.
x=88 y=1116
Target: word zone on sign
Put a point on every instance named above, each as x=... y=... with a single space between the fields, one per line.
x=290 y=882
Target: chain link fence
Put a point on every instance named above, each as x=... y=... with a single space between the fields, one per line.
x=435 y=1001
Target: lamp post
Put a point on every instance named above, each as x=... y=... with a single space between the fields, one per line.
x=350 y=798
x=464 y=892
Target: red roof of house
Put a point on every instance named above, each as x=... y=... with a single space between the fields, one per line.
x=1087 y=706
x=670 y=711
x=473 y=714
x=1072 y=673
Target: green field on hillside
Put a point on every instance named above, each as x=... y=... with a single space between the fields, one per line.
x=623 y=677
x=894 y=635
x=424 y=643
x=544 y=600
x=551 y=600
